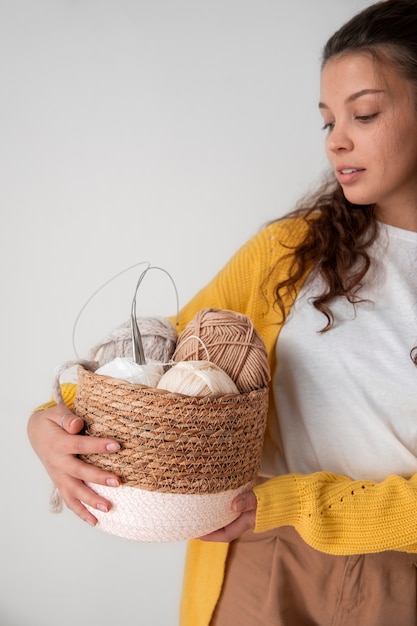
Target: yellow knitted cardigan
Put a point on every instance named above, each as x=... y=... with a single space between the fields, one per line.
x=332 y=513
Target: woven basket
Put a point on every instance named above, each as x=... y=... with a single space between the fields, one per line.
x=182 y=459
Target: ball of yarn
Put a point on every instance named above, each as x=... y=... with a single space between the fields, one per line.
x=158 y=335
x=229 y=340
x=124 y=368
x=197 y=378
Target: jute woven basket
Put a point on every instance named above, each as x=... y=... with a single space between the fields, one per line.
x=182 y=459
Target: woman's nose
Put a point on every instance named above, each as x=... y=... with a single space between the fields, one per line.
x=339 y=139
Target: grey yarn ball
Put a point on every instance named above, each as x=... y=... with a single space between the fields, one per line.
x=158 y=335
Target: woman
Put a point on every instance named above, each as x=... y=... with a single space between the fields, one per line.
x=329 y=535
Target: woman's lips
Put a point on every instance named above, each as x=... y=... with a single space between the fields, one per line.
x=346 y=175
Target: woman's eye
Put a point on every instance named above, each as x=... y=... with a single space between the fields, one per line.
x=328 y=126
x=366 y=118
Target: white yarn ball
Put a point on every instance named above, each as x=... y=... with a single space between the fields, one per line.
x=197 y=378
x=125 y=369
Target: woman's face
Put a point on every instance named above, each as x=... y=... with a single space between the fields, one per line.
x=370 y=116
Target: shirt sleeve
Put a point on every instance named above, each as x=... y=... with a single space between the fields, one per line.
x=68 y=391
x=341 y=516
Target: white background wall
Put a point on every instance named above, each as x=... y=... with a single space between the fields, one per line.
x=130 y=130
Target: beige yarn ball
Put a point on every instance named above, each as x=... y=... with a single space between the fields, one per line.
x=229 y=340
x=197 y=378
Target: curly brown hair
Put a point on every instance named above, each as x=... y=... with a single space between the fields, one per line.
x=335 y=244
x=339 y=233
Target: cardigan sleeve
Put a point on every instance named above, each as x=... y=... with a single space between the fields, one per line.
x=68 y=391
x=338 y=515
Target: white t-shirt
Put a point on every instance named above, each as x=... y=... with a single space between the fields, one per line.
x=347 y=398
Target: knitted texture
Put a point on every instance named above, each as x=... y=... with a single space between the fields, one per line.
x=337 y=515
x=171 y=442
x=68 y=392
x=141 y=515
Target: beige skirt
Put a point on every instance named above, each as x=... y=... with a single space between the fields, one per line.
x=276 y=579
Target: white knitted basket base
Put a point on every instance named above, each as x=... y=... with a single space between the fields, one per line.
x=153 y=516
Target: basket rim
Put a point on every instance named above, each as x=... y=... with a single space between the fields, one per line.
x=116 y=382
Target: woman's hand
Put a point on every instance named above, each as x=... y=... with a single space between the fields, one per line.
x=245 y=504
x=54 y=436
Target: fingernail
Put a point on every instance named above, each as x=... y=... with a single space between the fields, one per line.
x=238 y=505
x=112 y=482
x=90 y=522
x=112 y=447
x=102 y=507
